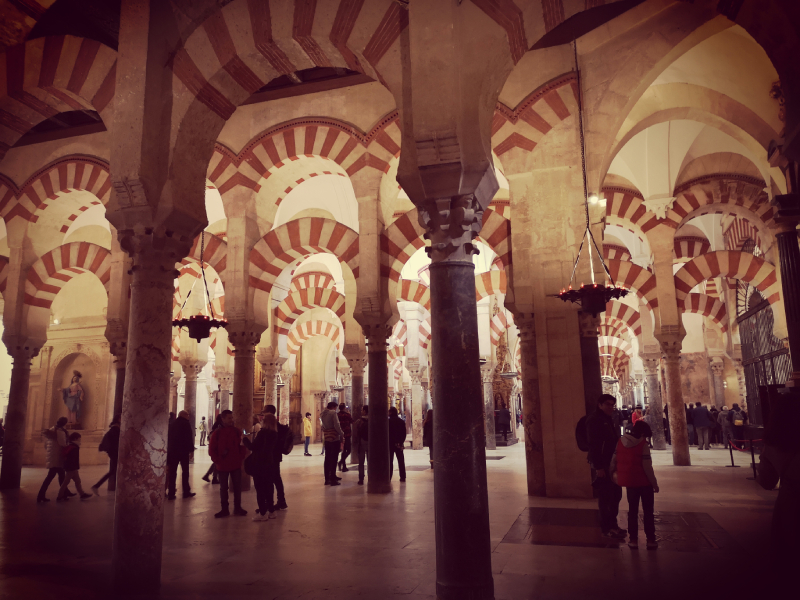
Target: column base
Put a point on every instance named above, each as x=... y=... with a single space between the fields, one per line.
x=500 y=442
x=379 y=488
x=456 y=592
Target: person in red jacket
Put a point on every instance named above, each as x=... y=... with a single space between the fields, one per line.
x=227 y=452
x=632 y=468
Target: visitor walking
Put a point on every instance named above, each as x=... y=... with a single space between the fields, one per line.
x=259 y=465
x=307 y=432
x=632 y=468
x=72 y=464
x=180 y=446
x=283 y=441
x=332 y=436
x=702 y=426
x=202 y=429
x=227 y=452
x=397 y=439
x=55 y=439
x=690 y=424
x=346 y=422
x=427 y=434
x=602 y=438
x=714 y=432
x=212 y=470
x=361 y=441
x=110 y=445
x=737 y=419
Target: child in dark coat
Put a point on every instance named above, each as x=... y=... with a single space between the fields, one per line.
x=72 y=464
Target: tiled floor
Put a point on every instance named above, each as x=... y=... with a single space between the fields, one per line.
x=340 y=542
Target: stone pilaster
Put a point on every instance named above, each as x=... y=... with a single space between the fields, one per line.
x=531 y=405
x=671 y=347
x=717 y=369
x=656 y=408
x=379 y=458
x=487 y=375
x=11 y=470
x=139 y=499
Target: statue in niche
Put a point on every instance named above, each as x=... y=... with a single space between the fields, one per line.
x=73 y=398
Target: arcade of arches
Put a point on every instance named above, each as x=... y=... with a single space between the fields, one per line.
x=383 y=199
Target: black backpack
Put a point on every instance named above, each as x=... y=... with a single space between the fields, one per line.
x=581 y=437
x=288 y=439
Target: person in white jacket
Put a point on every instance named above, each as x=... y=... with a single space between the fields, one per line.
x=55 y=439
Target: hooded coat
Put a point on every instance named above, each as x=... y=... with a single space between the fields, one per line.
x=632 y=463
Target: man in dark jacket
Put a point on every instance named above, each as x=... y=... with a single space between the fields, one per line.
x=690 y=424
x=603 y=436
x=346 y=421
x=180 y=445
x=397 y=438
x=275 y=469
x=504 y=421
x=702 y=426
x=109 y=445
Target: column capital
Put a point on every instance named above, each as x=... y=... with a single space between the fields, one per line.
x=451 y=224
x=192 y=369
x=717 y=368
x=357 y=366
x=376 y=335
x=154 y=252
x=526 y=324
x=269 y=362
x=243 y=336
x=25 y=352
x=651 y=363
x=671 y=348
x=588 y=324
x=487 y=371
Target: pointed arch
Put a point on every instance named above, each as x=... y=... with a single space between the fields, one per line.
x=635 y=278
x=732 y=264
x=308 y=329
x=296 y=303
x=48 y=275
x=488 y=283
x=707 y=306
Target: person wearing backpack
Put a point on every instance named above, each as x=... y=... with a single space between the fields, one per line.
x=361 y=438
x=307 y=432
x=632 y=468
x=737 y=419
x=602 y=437
x=283 y=445
x=109 y=445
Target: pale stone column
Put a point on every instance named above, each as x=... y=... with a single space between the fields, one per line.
x=671 y=347
x=487 y=374
x=173 y=392
x=283 y=398
x=651 y=366
x=243 y=336
x=531 y=405
x=141 y=474
x=271 y=366
x=717 y=370
x=416 y=403
x=191 y=370
x=225 y=381
x=11 y=471
x=737 y=365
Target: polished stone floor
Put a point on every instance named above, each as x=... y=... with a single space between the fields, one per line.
x=341 y=543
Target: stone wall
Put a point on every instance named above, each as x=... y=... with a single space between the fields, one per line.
x=694 y=378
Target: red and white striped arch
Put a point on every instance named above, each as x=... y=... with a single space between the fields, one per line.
x=488 y=283
x=414 y=291
x=635 y=278
x=708 y=307
x=498 y=325
x=312 y=279
x=425 y=333
x=626 y=207
x=48 y=275
x=296 y=303
x=299 y=333
x=615 y=252
x=395 y=352
x=689 y=247
x=713 y=193
x=732 y=264
x=615 y=342
x=50 y=75
x=3 y=274
x=214 y=254
x=399 y=333
x=299 y=239
x=43 y=188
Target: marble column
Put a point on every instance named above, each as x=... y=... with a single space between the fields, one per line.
x=191 y=371
x=283 y=398
x=379 y=462
x=357 y=368
x=173 y=392
x=225 y=380
x=590 y=360
x=679 y=433
x=717 y=371
x=416 y=403
x=739 y=368
x=271 y=366
x=651 y=366
x=531 y=405
x=13 y=446
x=244 y=339
x=141 y=473
x=118 y=349
x=487 y=374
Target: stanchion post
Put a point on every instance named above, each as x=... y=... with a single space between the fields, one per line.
x=753 y=461
x=730 y=447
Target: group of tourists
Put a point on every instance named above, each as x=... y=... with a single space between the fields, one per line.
x=712 y=426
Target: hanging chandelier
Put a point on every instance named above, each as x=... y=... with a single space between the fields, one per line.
x=591 y=298
x=200 y=326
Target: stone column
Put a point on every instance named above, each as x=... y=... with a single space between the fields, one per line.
x=225 y=380
x=244 y=337
x=119 y=350
x=671 y=347
x=739 y=368
x=141 y=473
x=717 y=370
x=651 y=366
x=11 y=470
x=191 y=371
x=412 y=364
x=271 y=366
x=590 y=360
x=283 y=398
x=379 y=458
x=461 y=502
x=531 y=405
x=173 y=392
x=357 y=365
x=487 y=374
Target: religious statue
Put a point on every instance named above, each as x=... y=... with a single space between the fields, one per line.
x=74 y=397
